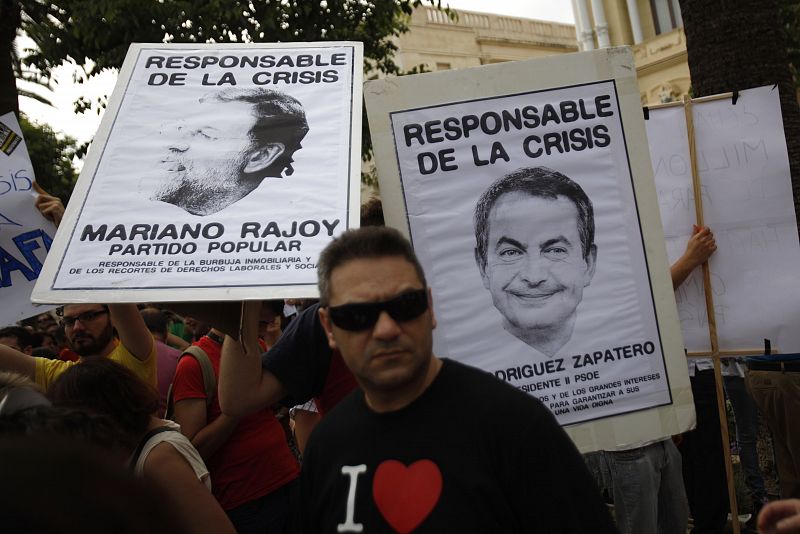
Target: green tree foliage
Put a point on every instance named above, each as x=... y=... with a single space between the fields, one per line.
x=51 y=155
x=96 y=33
x=790 y=12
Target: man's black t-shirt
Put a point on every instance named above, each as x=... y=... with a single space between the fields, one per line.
x=306 y=365
x=301 y=357
x=471 y=454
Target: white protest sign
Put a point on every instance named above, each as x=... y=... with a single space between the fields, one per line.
x=747 y=201
x=225 y=168
x=672 y=170
x=25 y=235
x=505 y=172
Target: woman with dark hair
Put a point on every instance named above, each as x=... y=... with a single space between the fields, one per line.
x=160 y=454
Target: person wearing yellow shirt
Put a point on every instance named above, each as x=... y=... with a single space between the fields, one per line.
x=90 y=330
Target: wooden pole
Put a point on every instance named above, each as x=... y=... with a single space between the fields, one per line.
x=712 y=323
x=730 y=353
x=698 y=208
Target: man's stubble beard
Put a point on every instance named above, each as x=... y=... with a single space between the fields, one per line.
x=416 y=374
x=96 y=346
x=204 y=192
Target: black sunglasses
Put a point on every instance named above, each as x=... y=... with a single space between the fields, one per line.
x=360 y=316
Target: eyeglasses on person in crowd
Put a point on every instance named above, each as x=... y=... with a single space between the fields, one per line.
x=85 y=317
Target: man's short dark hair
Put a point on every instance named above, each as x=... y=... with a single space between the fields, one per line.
x=279 y=118
x=369 y=242
x=538 y=182
x=23 y=336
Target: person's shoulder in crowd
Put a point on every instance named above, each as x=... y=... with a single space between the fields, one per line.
x=487 y=400
x=301 y=357
x=305 y=330
x=144 y=369
x=466 y=392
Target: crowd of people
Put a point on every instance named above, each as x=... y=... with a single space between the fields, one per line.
x=326 y=416
x=223 y=463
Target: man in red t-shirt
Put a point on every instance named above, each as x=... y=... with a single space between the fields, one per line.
x=248 y=458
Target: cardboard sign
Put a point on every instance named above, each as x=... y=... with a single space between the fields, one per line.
x=25 y=235
x=672 y=170
x=528 y=196
x=225 y=168
x=746 y=194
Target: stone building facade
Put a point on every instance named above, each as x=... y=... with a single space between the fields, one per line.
x=652 y=27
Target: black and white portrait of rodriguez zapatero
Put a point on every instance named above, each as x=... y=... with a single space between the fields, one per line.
x=535 y=250
x=224 y=147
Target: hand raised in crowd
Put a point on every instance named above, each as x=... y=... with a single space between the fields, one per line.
x=700 y=246
x=49 y=206
x=780 y=517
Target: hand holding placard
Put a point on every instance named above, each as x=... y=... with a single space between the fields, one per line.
x=698 y=249
x=701 y=245
x=49 y=206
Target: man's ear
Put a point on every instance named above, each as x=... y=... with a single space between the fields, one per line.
x=430 y=308
x=591 y=263
x=263 y=156
x=481 y=268
x=326 y=325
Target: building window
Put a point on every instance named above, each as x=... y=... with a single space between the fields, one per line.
x=443 y=66
x=666 y=15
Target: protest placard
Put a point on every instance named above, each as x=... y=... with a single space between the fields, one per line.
x=672 y=170
x=25 y=235
x=527 y=191
x=222 y=167
x=746 y=195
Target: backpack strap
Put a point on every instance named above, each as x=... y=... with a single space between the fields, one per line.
x=209 y=378
x=138 y=452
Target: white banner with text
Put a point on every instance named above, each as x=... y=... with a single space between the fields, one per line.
x=25 y=235
x=226 y=168
x=746 y=195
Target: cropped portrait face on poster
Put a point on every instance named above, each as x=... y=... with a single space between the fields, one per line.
x=534 y=233
x=222 y=148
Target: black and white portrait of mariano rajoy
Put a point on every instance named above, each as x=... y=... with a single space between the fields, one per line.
x=230 y=142
x=535 y=250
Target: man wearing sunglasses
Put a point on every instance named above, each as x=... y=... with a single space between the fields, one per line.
x=427 y=445
x=89 y=328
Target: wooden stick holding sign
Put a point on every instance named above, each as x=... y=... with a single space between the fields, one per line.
x=727 y=353
x=712 y=323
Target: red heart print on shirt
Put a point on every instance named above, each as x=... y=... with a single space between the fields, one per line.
x=405 y=496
